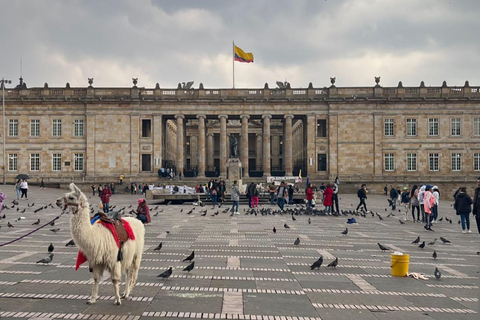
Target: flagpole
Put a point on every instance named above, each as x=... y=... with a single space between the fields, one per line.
x=233 y=63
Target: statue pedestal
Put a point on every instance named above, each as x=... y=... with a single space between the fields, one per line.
x=234 y=171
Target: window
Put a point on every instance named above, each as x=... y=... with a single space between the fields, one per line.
x=322 y=162
x=34 y=162
x=411 y=162
x=456 y=126
x=146 y=128
x=433 y=161
x=13 y=128
x=57 y=127
x=12 y=162
x=35 y=128
x=411 y=127
x=322 y=128
x=476 y=126
x=476 y=161
x=57 y=162
x=389 y=162
x=433 y=127
x=389 y=132
x=78 y=162
x=456 y=162
x=78 y=128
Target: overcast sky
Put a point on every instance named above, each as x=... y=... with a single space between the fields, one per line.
x=299 y=41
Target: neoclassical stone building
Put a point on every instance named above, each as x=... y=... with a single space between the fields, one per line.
x=358 y=133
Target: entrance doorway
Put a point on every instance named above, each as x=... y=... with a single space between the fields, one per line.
x=146 y=162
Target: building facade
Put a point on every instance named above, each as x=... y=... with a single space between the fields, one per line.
x=357 y=133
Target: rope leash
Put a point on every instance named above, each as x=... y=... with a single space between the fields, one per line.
x=35 y=230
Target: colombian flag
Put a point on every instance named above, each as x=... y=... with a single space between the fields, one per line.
x=241 y=56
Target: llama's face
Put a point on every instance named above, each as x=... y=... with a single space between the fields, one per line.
x=74 y=199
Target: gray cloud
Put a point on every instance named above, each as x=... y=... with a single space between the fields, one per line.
x=299 y=41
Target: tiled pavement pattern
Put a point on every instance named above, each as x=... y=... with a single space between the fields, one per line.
x=243 y=270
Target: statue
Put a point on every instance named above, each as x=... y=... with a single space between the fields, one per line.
x=233 y=147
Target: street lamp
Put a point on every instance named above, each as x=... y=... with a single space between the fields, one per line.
x=3 y=82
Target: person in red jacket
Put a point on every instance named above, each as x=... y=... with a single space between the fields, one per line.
x=327 y=199
x=105 y=197
x=143 y=212
x=309 y=193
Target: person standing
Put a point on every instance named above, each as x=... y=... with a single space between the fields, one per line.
x=436 y=195
x=214 y=194
x=272 y=189
x=235 y=196
x=254 y=195
x=414 y=203
x=393 y=198
x=42 y=185
x=476 y=204
x=405 y=201
x=121 y=178
x=428 y=203
x=17 y=188
x=2 y=197
x=309 y=198
x=385 y=190
x=327 y=199
x=290 y=194
x=105 y=197
x=362 y=195
x=24 y=189
x=335 y=207
x=463 y=206
x=421 y=197
x=250 y=194
x=281 y=195
x=143 y=211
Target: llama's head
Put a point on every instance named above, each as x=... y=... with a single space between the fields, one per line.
x=74 y=199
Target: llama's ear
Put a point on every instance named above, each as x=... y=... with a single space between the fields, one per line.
x=74 y=188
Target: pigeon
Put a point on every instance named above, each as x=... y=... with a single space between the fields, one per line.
x=317 y=264
x=422 y=245
x=433 y=242
x=297 y=241
x=166 y=274
x=434 y=255
x=345 y=232
x=416 y=240
x=52 y=223
x=286 y=226
x=158 y=247
x=70 y=243
x=444 y=240
x=50 y=248
x=401 y=222
x=293 y=218
x=47 y=259
x=441 y=219
x=10 y=225
x=189 y=267
x=274 y=230
x=437 y=274
x=334 y=263
x=383 y=248
x=168 y=232
x=55 y=230
x=309 y=221
x=190 y=257
x=36 y=223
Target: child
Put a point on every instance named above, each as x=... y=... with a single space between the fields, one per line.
x=405 y=201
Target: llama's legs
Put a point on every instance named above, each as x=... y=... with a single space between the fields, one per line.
x=97 y=276
x=132 y=275
x=116 y=275
x=128 y=285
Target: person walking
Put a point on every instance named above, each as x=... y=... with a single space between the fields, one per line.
x=428 y=203
x=281 y=195
x=327 y=199
x=436 y=195
x=105 y=197
x=405 y=202
x=272 y=189
x=309 y=198
x=362 y=195
x=254 y=195
x=235 y=196
x=290 y=194
x=213 y=195
x=17 y=188
x=463 y=206
x=476 y=205
x=421 y=197
x=24 y=189
x=393 y=198
x=335 y=207
x=143 y=211
x=250 y=192
x=385 y=190
x=414 y=203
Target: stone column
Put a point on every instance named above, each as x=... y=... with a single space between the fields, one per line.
x=201 y=145
x=311 y=149
x=210 y=151
x=157 y=141
x=275 y=147
x=223 y=145
x=259 y=151
x=266 y=144
x=135 y=153
x=244 y=144
x=90 y=150
x=288 y=145
x=180 y=144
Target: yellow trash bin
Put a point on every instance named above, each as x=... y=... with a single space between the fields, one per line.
x=400 y=265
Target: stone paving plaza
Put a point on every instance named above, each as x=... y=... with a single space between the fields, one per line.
x=242 y=269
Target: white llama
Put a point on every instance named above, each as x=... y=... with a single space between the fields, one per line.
x=99 y=246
